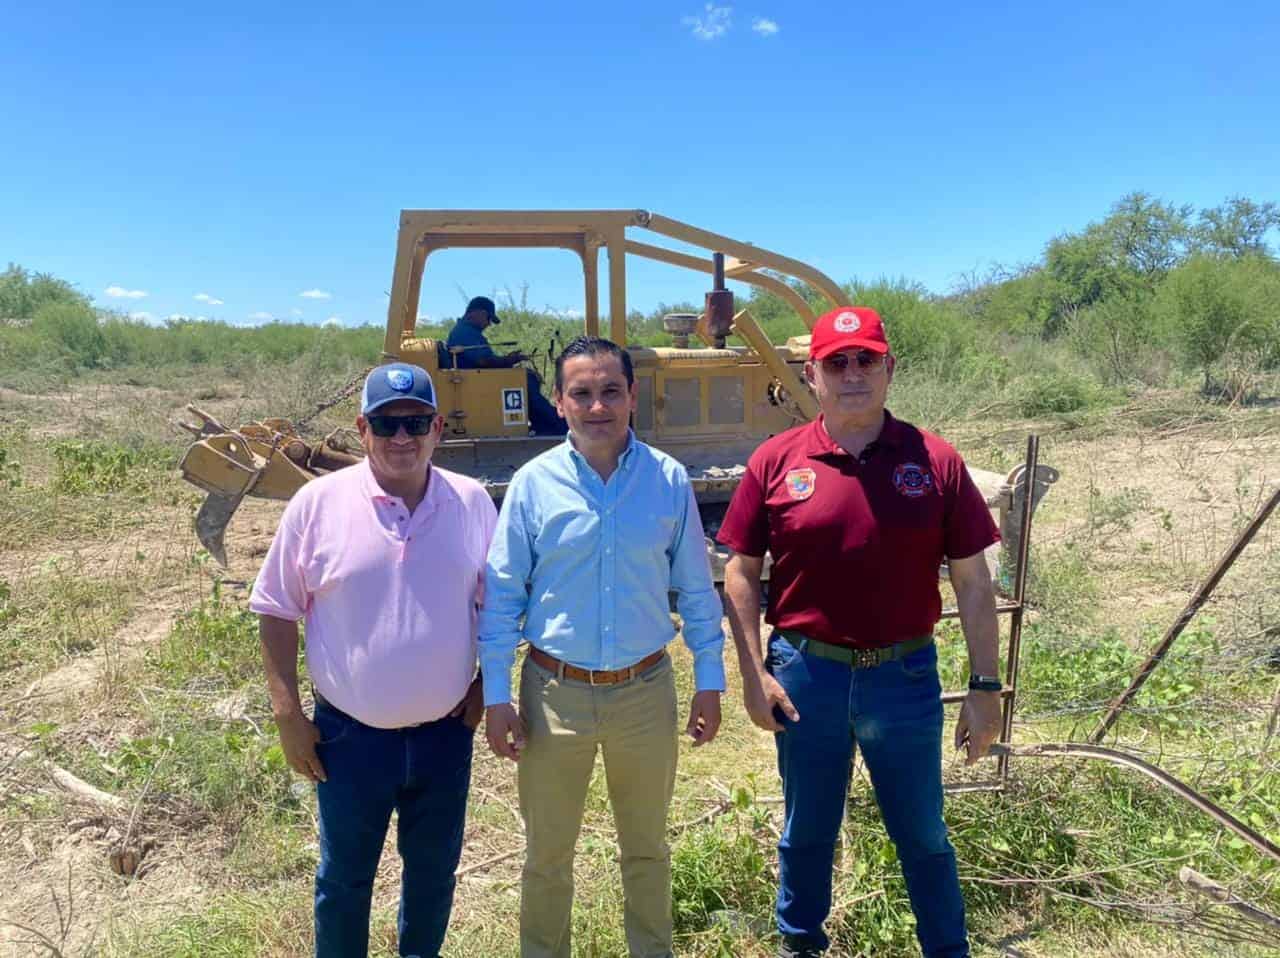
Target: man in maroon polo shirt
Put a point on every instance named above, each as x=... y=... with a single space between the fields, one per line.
x=858 y=510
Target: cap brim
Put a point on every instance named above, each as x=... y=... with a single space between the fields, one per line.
x=827 y=349
x=493 y=318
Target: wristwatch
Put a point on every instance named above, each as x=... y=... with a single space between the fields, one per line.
x=985 y=683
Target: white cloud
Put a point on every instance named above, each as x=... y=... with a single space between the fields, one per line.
x=295 y=312
x=569 y=313
x=261 y=316
x=142 y=317
x=764 y=26
x=713 y=23
x=206 y=298
x=119 y=292
x=333 y=321
x=316 y=294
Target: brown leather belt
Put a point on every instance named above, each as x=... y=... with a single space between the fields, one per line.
x=597 y=677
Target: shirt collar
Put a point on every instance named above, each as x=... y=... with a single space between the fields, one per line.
x=375 y=493
x=623 y=457
x=819 y=442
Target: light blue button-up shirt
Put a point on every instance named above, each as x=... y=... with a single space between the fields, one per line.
x=589 y=564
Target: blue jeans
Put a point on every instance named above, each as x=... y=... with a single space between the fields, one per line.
x=894 y=714
x=422 y=772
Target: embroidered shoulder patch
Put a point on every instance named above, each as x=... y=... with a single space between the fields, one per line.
x=912 y=480
x=801 y=483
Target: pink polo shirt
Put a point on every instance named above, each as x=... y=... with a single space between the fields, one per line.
x=389 y=599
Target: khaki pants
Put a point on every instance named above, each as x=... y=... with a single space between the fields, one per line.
x=634 y=724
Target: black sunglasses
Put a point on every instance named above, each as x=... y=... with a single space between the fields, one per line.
x=865 y=359
x=384 y=427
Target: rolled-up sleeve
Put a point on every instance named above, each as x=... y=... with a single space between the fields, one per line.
x=696 y=598
x=280 y=590
x=506 y=578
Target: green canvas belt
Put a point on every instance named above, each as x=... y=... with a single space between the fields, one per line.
x=854 y=658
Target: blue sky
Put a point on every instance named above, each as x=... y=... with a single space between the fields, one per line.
x=256 y=153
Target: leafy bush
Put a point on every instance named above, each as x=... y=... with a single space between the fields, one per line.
x=919 y=327
x=1043 y=394
x=95 y=467
x=1220 y=310
x=71 y=330
x=23 y=293
x=1120 y=337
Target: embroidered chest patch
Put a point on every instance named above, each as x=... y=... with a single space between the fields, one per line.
x=912 y=480
x=800 y=483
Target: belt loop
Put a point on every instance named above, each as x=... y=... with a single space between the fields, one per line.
x=560 y=670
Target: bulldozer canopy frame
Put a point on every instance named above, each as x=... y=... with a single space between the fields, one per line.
x=586 y=232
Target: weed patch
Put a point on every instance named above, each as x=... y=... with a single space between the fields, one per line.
x=99 y=467
x=720 y=868
x=214 y=645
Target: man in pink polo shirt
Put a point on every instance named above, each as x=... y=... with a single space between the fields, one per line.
x=858 y=510
x=383 y=561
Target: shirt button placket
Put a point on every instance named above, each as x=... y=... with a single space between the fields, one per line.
x=608 y=607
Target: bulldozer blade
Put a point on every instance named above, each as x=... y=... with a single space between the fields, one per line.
x=211 y=523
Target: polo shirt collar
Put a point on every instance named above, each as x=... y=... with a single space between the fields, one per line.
x=819 y=442
x=375 y=493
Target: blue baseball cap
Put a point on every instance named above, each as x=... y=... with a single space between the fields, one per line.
x=395 y=381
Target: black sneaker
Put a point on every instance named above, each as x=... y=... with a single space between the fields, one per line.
x=798 y=948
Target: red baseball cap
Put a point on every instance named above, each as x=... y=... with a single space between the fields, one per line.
x=849 y=327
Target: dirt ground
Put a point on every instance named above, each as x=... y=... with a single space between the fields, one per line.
x=1148 y=500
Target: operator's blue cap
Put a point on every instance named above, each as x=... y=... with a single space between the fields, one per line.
x=395 y=381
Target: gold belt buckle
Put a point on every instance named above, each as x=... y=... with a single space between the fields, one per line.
x=866 y=658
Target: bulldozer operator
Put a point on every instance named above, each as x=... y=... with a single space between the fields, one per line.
x=468 y=347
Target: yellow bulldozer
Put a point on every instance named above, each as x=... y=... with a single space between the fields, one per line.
x=709 y=405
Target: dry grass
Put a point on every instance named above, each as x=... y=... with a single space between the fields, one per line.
x=97 y=681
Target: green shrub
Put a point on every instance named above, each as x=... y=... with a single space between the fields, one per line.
x=72 y=330
x=23 y=293
x=919 y=327
x=1120 y=338
x=1045 y=394
x=96 y=467
x=1224 y=310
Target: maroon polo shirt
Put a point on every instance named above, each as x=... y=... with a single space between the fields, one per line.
x=856 y=543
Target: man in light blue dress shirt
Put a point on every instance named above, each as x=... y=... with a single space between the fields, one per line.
x=592 y=537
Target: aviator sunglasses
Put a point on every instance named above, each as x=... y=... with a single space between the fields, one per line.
x=865 y=358
x=384 y=427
